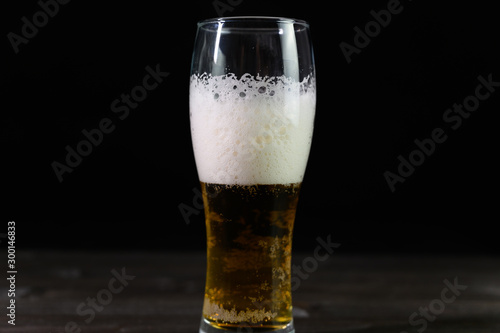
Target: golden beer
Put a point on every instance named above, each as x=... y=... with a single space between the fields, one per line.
x=252 y=100
x=249 y=244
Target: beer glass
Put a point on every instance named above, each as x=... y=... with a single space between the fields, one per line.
x=252 y=104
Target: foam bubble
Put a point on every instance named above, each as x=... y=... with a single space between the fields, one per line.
x=252 y=130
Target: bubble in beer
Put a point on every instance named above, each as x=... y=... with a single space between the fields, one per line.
x=271 y=118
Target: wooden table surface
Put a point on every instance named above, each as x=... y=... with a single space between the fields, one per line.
x=141 y=292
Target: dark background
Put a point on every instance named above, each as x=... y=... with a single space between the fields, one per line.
x=126 y=193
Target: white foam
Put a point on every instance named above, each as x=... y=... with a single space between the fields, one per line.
x=252 y=130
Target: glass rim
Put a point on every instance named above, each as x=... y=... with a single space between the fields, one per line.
x=262 y=19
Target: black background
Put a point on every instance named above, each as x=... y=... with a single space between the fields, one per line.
x=126 y=193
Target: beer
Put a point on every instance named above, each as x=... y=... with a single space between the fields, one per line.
x=252 y=103
x=249 y=244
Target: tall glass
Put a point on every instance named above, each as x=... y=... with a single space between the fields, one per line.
x=252 y=105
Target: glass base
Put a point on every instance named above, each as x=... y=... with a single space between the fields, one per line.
x=205 y=327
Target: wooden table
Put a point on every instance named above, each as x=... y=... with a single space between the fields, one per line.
x=142 y=292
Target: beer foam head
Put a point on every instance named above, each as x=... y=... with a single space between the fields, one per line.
x=251 y=130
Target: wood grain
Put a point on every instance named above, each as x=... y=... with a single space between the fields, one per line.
x=345 y=293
